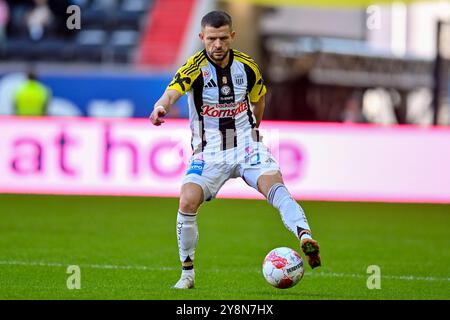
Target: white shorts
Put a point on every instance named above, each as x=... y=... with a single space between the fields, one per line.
x=211 y=173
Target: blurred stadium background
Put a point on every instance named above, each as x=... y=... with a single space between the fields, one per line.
x=373 y=71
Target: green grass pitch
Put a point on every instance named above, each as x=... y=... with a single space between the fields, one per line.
x=126 y=249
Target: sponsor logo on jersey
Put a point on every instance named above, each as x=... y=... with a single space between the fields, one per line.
x=226 y=90
x=210 y=84
x=224 y=110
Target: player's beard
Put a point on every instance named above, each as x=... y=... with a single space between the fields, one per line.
x=225 y=54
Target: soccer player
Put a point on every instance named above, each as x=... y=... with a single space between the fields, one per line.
x=226 y=104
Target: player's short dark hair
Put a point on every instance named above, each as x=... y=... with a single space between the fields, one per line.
x=217 y=19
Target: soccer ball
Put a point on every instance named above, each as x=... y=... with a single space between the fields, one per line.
x=283 y=267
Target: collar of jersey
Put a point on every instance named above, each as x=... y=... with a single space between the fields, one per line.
x=230 y=61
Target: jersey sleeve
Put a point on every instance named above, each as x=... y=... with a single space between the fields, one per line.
x=259 y=88
x=185 y=76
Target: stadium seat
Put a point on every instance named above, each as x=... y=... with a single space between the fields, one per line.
x=104 y=5
x=89 y=45
x=91 y=37
x=122 y=44
x=139 y=6
x=124 y=38
x=95 y=19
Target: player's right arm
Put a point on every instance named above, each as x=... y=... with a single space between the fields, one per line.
x=180 y=84
x=163 y=105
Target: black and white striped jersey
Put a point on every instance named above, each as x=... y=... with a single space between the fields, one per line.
x=219 y=100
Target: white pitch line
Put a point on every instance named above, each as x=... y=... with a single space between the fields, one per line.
x=90 y=266
x=355 y=275
x=147 y=268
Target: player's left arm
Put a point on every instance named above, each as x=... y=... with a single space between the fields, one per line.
x=257 y=93
x=258 y=109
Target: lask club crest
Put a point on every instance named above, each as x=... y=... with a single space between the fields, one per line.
x=239 y=79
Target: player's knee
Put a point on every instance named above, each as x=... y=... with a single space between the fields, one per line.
x=188 y=205
x=190 y=200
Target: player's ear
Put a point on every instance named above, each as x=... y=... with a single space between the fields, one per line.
x=233 y=34
x=201 y=35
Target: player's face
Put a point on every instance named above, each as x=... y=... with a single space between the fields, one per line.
x=217 y=41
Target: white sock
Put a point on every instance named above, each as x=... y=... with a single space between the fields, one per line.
x=292 y=214
x=187 y=235
x=188 y=273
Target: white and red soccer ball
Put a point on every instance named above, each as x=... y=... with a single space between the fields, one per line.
x=283 y=267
